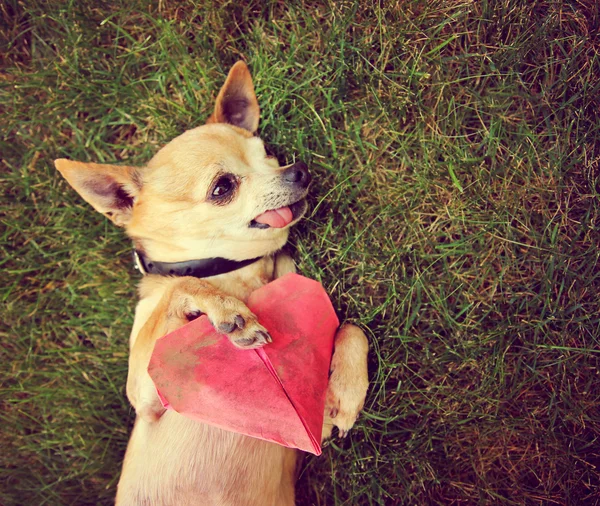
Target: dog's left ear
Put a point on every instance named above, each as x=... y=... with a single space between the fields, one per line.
x=236 y=102
x=110 y=189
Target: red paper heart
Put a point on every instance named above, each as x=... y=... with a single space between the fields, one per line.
x=276 y=393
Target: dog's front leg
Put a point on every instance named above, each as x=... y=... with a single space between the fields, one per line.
x=348 y=380
x=184 y=299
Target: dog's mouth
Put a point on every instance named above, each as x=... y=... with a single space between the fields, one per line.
x=281 y=217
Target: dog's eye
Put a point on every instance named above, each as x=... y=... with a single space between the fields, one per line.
x=223 y=186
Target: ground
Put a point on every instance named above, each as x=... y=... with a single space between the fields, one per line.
x=455 y=216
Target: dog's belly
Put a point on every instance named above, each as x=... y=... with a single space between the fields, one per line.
x=179 y=462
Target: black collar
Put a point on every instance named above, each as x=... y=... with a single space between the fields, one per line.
x=203 y=268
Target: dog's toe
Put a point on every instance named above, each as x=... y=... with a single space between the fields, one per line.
x=226 y=327
x=264 y=337
x=255 y=340
x=240 y=323
x=191 y=316
x=232 y=317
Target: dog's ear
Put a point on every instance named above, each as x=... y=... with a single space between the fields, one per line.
x=236 y=102
x=110 y=189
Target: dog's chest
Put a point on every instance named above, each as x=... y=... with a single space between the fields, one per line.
x=241 y=286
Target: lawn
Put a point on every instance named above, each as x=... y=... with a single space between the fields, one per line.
x=454 y=147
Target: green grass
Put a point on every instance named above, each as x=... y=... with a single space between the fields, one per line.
x=456 y=216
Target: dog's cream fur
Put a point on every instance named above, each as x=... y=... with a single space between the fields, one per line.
x=167 y=209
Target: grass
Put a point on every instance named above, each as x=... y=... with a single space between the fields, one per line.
x=456 y=216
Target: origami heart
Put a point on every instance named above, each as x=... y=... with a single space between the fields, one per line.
x=276 y=393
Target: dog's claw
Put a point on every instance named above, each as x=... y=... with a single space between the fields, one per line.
x=258 y=339
x=262 y=336
x=245 y=343
x=343 y=433
x=227 y=327
x=239 y=321
x=193 y=315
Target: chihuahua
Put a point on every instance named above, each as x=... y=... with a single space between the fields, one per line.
x=208 y=216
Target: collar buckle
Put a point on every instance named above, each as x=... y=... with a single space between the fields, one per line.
x=137 y=262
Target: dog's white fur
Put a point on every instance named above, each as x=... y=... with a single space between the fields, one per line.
x=166 y=209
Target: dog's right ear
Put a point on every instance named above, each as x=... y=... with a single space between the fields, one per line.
x=236 y=102
x=110 y=189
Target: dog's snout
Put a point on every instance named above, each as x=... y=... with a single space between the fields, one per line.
x=297 y=175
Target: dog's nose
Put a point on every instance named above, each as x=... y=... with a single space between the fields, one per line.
x=297 y=175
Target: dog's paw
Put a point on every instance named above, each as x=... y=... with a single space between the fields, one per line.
x=345 y=398
x=232 y=317
x=192 y=297
x=348 y=381
x=244 y=331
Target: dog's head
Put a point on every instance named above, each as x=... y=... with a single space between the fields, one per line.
x=211 y=192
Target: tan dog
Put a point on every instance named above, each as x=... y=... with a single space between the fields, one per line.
x=212 y=192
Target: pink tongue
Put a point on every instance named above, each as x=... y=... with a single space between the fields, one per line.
x=277 y=218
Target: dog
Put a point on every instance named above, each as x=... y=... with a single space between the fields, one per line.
x=208 y=217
